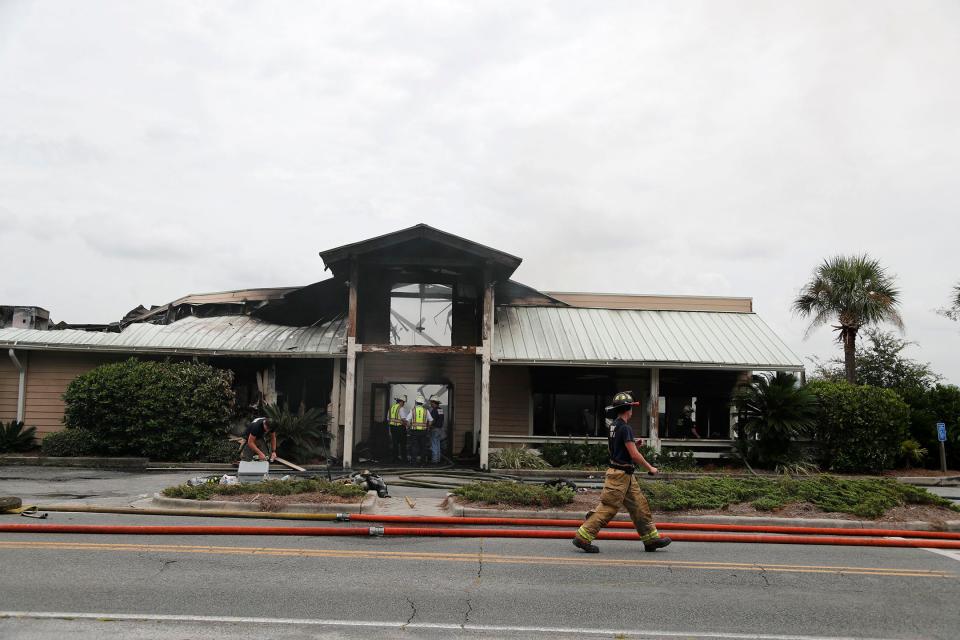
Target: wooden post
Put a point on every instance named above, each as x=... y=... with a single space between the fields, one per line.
x=334 y=424
x=655 y=409
x=349 y=393
x=487 y=341
x=350 y=390
x=352 y=304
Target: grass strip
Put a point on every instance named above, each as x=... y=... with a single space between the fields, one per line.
x=267 y=487
x=866 y=498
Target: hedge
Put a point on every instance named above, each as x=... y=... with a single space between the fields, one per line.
x=160 y=410
x=860 y=427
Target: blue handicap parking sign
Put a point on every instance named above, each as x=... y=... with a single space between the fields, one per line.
x=941 y=432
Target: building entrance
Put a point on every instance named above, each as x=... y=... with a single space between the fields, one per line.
x=420 y=440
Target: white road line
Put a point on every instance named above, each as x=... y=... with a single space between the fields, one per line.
x=955 y=555
x=583 y=632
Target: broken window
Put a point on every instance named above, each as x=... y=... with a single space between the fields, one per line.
x=421 y=314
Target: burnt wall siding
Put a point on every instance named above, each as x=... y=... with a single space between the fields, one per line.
x=456 y=370
x=510 y=401
x=48 y=375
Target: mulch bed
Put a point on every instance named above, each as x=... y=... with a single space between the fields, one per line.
x=269 y=502
x=587 y=500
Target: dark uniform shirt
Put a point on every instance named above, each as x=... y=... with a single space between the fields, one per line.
x=620 y=434
x=437 y=415
x=255 y=429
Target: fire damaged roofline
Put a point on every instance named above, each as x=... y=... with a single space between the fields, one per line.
x=337 y=260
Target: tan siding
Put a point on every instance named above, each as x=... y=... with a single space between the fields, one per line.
x=655 y=303
x=382 y=368
x=48 y=375
x=510 y=401
x=9 y=383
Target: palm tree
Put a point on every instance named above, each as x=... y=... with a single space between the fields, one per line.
x=857 y=292
x=956 y=298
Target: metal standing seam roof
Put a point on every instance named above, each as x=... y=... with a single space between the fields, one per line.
x=569 y=335
x=220 y=335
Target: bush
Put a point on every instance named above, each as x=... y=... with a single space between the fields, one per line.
x=70 y=443
x=869 y=498
x=300 y=438
x=574 y=454
x=161 y=410
x=773 y=412
x=940 y=403
x=216 y=450
x=678 y=459
x=13 y=437
x=515 y=493
x=267 y=487
x=517 y=458
x=860 y=427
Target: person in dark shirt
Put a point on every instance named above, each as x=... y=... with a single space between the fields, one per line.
x=620 y=488
x=436 y=430
x=255 y=438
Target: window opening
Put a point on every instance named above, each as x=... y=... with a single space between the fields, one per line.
x=421 y=314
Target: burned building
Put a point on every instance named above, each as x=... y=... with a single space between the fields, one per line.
x=424 y=312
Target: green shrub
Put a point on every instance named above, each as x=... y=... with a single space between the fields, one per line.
x=860 y=427
x=678 y=459
x=267 y=487
x=161 y=410
x=517 y=458
x=300 y=438
x=13 y=437
x=869 y=498
x=773 y=412
x=216 y=449
x=70 y=443
x=575 y=454
x=515 y=493
x=940 y=403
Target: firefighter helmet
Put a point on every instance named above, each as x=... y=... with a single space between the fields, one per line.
x=622 y=401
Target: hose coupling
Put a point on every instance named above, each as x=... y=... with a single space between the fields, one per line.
x=343 y=517
x=376 y=531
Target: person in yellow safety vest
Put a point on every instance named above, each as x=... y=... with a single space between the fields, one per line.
x=620 y=488
x=418 y=440
x=398 y=418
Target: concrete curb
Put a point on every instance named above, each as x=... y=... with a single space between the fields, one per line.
x=915 y=525
x=366 y=506
x=85 y=462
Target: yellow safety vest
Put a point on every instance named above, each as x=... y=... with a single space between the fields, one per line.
x=419 y=418
x=394 y=416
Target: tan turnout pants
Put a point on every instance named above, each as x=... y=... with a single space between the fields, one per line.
x=620 y=489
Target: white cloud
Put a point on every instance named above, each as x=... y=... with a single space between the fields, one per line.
x=154 y=149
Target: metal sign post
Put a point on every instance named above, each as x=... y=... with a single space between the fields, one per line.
x=942 y=437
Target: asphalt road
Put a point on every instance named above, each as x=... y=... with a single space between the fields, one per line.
x=285 y=587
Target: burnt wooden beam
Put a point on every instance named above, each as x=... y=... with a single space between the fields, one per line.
x=352 y=305
x=403 y=348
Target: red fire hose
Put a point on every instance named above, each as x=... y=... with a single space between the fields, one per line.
x=667 y=526
x=467 y=533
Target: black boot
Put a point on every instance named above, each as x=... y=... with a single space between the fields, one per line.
x=658 y=543
x=588 y=547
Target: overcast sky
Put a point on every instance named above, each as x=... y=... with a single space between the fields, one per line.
x=154 y=149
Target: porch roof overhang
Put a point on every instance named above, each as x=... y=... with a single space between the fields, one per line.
x=235 y=336
x=569 y=336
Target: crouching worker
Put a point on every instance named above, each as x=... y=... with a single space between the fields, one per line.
x=620 y=488
x=255 y=438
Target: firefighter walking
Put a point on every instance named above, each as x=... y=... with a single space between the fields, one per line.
x=620 y=488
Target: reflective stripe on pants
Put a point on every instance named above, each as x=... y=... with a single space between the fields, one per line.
x=620 y=489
